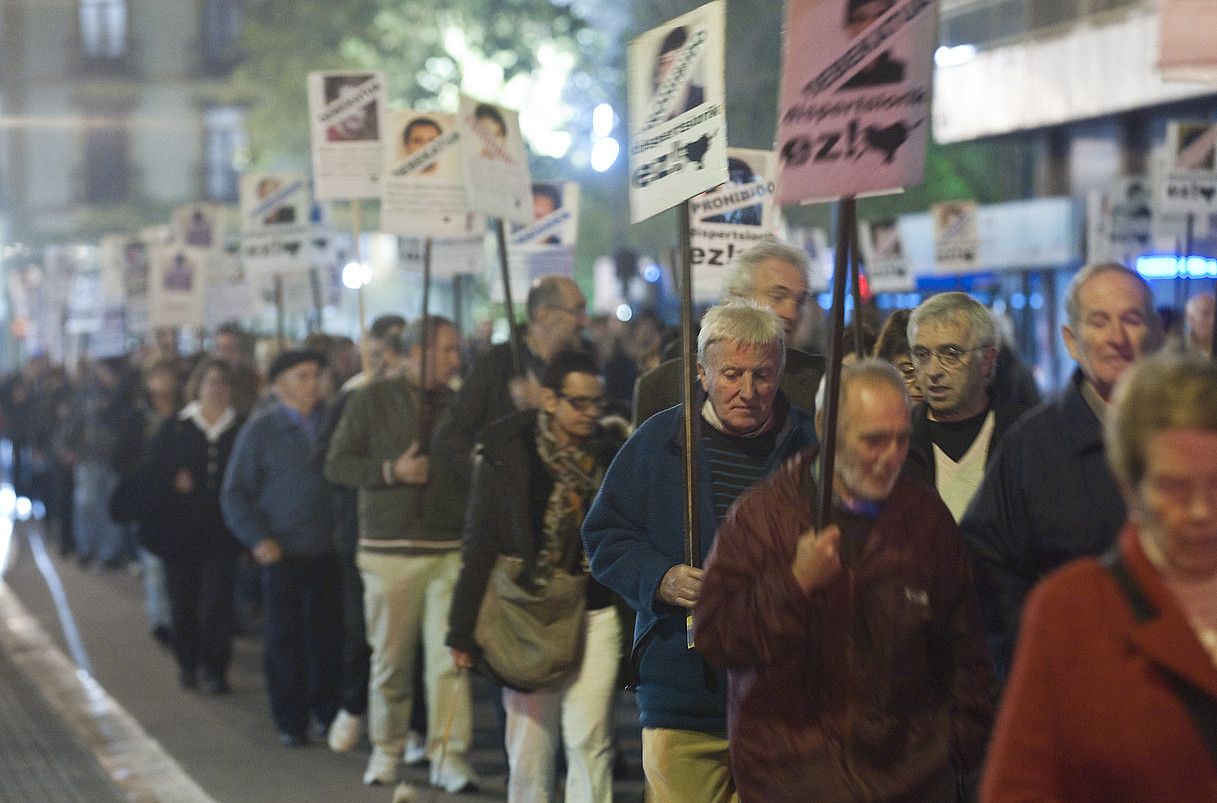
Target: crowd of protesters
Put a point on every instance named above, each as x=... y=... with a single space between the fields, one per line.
x=904 y=645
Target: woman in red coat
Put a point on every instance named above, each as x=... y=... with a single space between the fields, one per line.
x=1093 y=709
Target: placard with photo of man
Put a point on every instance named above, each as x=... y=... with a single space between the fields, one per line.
x=346 y=111
x=494 y=162
x=276 y=225
x=178 y=283
x=423 y=187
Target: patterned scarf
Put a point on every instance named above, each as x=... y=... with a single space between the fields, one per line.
x=576 y=478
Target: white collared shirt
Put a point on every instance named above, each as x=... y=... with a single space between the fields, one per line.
x=194 y=412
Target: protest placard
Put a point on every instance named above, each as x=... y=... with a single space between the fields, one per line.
x=178 y=286
x=198 y=225
x=547 y=244
x=493 y=161
x=956 y=236
x=232 y=293
x=1120 y=221
x=275 y=222
x=346 y=112
x=423 y=186
x=887 y=267
x=855 y=97
x=728 y=220
x=1186 y=183
x=678 y=120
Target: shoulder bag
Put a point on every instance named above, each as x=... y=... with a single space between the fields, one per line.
x=531 y=638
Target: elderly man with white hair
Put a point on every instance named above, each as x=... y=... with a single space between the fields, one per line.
x=774 y=275
x=635 y=536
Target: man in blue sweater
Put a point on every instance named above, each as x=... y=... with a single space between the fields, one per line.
x=634 y=534
x=275 y=500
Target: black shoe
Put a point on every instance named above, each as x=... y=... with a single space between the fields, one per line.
x=163 y=634
x=289 y=739
x=187 y=679
x=215 y=685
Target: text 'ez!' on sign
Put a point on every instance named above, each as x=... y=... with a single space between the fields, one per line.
x=855 y=98
x=678 y=130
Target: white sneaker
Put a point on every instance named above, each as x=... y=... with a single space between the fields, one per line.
x=455 y=775
x=382 y=769
x=416 y=749
x=405 y=793
x=344 y=731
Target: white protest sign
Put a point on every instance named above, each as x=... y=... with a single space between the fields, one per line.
x=231 y=292
x=275 y=225
x=85 y=301
x=855 y=97
x=346 y=119
x=198 y=225
x=450 y=256
x=178 y=286
x=1120 y=221
x=422 y=191
x=1188 y=184
x=678 y=120
x=728 y=220
x=956 y=236
x=112 y=261
x=494 y=163
x=886 y=266
x=547 y=245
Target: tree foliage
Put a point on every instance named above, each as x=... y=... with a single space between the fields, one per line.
x=428 y=50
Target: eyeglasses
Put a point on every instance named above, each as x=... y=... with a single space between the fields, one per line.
x=907 y=370
x=585 y=404
x=948 y=356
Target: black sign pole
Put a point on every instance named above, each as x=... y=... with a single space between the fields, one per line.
x=845 y=221
x=855 y=282
x=280 y=313
x=517 y=353
x=423 y=326
x=688 y=397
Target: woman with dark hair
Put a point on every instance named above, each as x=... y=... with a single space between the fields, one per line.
x=200 y=555
x=538 y=473
x=893 y=347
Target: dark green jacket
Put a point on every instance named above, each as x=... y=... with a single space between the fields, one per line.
x=380 y=422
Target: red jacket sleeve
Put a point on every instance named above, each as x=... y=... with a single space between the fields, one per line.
x=1022 y=764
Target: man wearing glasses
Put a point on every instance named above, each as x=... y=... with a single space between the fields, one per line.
x=557 y=313
x=635 y=538
x=954 y=347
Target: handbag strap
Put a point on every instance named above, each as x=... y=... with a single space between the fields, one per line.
x=1200 y=706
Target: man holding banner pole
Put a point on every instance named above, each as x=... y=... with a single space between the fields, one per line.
x=635 y=534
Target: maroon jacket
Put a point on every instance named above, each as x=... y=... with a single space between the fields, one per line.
x=875 y=687
x=1090 y=713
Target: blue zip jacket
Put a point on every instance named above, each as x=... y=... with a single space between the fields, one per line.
x=274 y=488
x=634 y=533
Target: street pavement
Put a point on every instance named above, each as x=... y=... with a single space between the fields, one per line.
x=227 y=745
